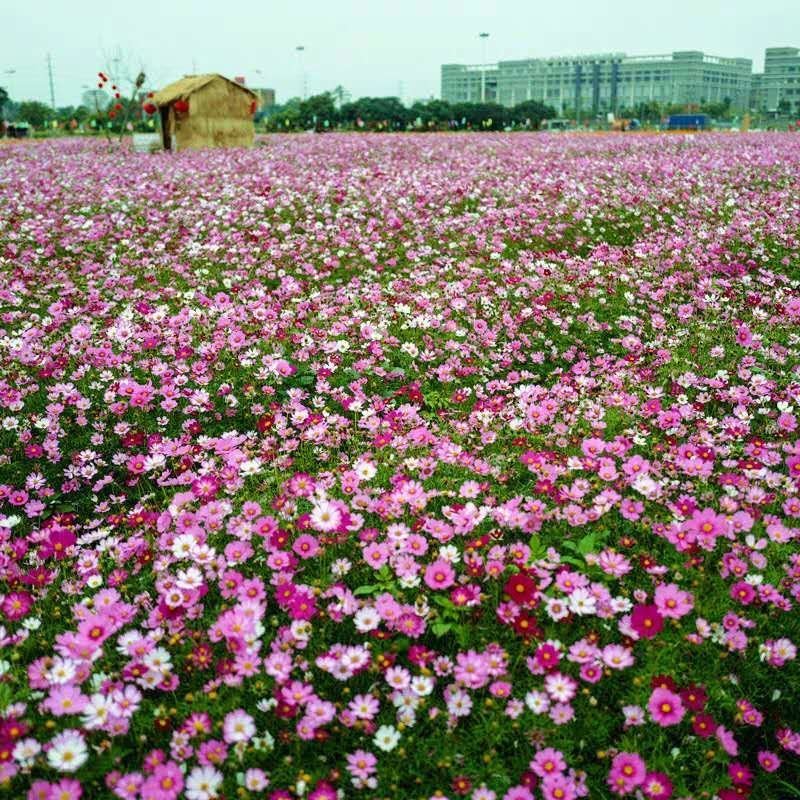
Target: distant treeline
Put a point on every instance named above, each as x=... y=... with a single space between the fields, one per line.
x=320 y=112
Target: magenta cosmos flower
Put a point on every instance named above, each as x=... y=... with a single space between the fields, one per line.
x=647 y=621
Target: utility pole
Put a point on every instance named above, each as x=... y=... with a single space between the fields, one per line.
x=300 y=50
x=50 y=76
x=483 y=37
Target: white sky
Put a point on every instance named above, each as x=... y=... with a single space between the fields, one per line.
x=371 y=47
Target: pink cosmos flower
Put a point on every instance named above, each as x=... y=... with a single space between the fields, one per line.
x=743 y=592
x=672 y=602
x=558 y=787
x=615 y=656
x=361 y=763
x=769 y=761
x=66 y=789
x=16 y=605
x=165 y=783
x=548 y=761
x=727 y=740
x=627 y=772
x=440 y=574
x=656 y=786
x=666 y=707
x=306 y=546
x=740 y=774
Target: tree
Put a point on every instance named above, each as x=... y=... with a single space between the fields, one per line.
x=316 y=110
x=35 y=113
x=532 y=112
x=284 y=117
x=433 y=113
x=377 y=113
x=480 y=116
x=720 y=110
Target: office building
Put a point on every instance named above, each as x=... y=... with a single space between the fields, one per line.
x=596 y=84
x=777 y=89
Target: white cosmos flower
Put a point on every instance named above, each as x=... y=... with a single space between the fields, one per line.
x=386 y=738
x=62 y=670
x=203 y=783
x=250 y=467
x=25 y=752
x=582 y=602
x=96 y=713
x=365 y=470
x=366 y=619
x=183 y=545
x=325 y=516
x=422 y=685
x=67 y=751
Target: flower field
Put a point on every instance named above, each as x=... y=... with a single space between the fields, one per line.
x=401 y=467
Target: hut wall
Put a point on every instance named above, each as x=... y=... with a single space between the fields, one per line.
x=219 y=116
x=210 y=132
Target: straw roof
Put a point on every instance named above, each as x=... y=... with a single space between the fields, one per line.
x=189 y=84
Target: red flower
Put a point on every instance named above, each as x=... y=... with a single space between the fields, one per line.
x=520 y=588
x=663 y=682
x=149 y=108
x=694 y=697
x=527 y=627
x=704 y=725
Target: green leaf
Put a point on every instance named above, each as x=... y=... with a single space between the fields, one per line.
x=367 y=589
x=441 y=628
x=5 y=696
x=538 y=550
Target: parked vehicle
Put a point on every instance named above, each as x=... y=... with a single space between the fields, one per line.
x=689 y=122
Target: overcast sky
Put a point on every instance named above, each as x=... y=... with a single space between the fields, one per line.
x=371 y=47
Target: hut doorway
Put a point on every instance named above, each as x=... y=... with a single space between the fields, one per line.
x=166 y=133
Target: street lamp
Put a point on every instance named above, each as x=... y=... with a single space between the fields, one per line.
x=483 y=37
x=300 y=49
x=8 y=86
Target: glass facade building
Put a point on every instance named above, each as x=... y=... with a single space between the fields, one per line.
x=602 y=83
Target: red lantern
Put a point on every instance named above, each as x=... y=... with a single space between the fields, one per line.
x=181 y=106
x=149 y=108
x=253 y=107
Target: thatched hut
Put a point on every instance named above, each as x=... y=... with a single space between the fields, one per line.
x=206 y=111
